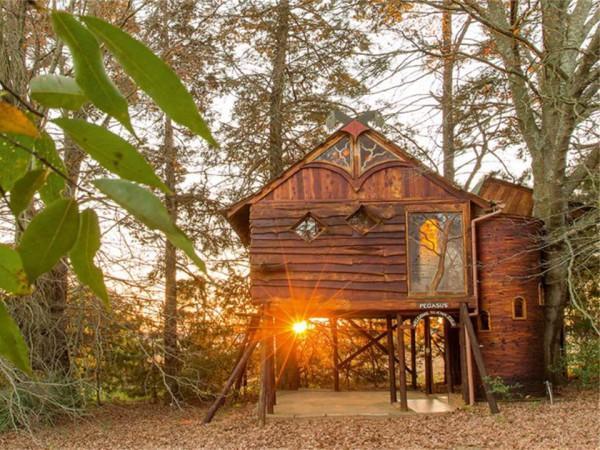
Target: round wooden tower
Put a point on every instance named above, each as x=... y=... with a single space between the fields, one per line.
x=511 y=320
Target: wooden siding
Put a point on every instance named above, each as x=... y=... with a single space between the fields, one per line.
x=393 y=182
x=510 y=261
x=516 y=199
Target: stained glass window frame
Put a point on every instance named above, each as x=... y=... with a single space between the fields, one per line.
x=306 y=216
x=363 y=167
x=349 y=167
x=412 y=292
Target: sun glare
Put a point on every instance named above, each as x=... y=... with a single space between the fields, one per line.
x=300 y=327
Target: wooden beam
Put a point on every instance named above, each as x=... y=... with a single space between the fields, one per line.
x=391 y=358
x=263 y=398
x=447 y=359
x=336 y=355
x=370 y=338
x=463 y=362
x=464 y=313
x=401 y=358
x=271 y=368
x=363 y=348
x=237 y=372
x=428 y=357
x=470 y=375
x=413 y=357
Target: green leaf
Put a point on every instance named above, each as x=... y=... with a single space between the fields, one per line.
x=12 y=275
x=55 y=184
x=149 y=210
x=24 y=189
x=48 y=237
x=113 y=152
x=83 y=252
x=14 y=161
x=12 y=345
x=57 y=91
x=151 y=74
x=89 y=68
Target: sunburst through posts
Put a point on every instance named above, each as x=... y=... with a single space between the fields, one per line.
x=300 y=327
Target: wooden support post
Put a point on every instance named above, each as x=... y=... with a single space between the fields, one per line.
x=336 y=355
x=391 y=361
x=236 y=374
x=428 y=358
x=470 y=375
x=264 y=397
x=271 y=367
x=464 y=314
x=447 y=359
x=401 y=356
x=463 y=362
x=413 y=357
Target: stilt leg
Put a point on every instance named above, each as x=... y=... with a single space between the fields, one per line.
x=463 y=362
x=447 y=358
x=336 y=355
x=391 y=362
x=401 y=356
x=413 y=357
x=428 y=359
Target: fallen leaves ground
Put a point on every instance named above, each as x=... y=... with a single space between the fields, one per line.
x=571 y=423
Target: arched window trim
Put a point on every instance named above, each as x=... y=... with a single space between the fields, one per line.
x=489 y=321
x=524 y=304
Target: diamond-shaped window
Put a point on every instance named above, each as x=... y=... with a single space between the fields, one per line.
x=362 y=221
x=308 y=228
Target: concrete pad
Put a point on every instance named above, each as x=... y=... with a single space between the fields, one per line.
x=322 y=402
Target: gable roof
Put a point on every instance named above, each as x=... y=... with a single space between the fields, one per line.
x=516 y=199
x=238 y=214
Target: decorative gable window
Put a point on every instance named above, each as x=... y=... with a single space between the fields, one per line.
x=362 y=221
x=370 y=154
x=436 y=253
x=339 y=154
x=356 y=156
x=308 y=228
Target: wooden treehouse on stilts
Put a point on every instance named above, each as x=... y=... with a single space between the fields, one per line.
x=360 y=229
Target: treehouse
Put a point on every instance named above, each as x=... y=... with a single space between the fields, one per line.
x=360 y=229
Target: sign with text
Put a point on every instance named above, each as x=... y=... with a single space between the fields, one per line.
x=443 y=314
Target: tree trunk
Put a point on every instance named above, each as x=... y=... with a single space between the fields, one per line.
x=171 y=356
x=277 y=88
x=447 y=93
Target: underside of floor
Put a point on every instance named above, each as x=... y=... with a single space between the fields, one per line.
x=322 y=402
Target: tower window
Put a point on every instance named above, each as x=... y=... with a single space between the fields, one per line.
x=484 y=321
x=519 y=309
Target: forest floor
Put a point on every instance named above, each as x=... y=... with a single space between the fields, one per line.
x=573 y=422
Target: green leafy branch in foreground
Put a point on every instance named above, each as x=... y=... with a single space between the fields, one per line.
x=30 y=164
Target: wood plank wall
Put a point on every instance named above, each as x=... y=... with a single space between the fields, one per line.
x=341 y=266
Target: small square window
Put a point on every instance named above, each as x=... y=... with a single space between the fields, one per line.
x=308 y=228
x=362 y=221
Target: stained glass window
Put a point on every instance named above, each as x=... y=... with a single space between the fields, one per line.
x=371 y=154
x=361 y=220
x=436 y=252
x=339 y=154
x=308 y=228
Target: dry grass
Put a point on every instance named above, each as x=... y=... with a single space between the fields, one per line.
x=571 y=423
